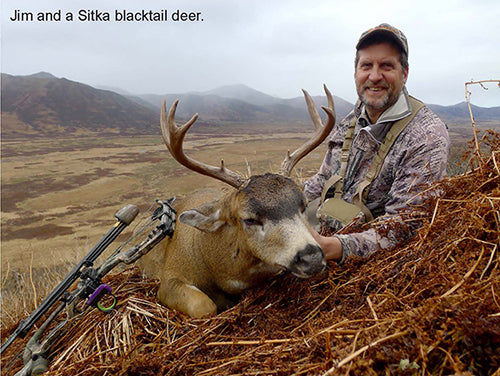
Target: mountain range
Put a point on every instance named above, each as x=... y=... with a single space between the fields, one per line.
x=44 y=105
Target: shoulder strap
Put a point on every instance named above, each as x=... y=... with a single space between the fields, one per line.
x=385 y=147
x=337 y=180
x=376 y=165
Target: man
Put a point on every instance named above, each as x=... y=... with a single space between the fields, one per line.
x=380 y=155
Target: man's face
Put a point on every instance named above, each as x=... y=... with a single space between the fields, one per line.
x=379 y=78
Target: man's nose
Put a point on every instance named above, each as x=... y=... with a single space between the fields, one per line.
x=375 y=74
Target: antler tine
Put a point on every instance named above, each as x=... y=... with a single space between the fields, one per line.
x=172 y=134
x=313 y=112
x=329 y=96
x=173 y=137
x=321 y=132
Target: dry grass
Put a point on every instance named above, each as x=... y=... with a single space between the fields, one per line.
x=431 y=307
x=60 y=195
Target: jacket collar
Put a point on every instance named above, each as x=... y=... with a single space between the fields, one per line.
x=397 y=111
x=378 y=131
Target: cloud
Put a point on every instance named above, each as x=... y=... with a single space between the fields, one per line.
x=277 y=47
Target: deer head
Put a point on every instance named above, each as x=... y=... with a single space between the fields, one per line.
x=265 y=214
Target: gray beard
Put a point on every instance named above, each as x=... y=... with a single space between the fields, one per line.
x=385 y=103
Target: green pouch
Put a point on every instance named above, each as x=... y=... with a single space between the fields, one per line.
x=340 y=210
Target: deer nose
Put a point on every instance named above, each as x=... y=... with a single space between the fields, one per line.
x=308 y=262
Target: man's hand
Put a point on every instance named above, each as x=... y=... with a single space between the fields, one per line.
x=331 y=245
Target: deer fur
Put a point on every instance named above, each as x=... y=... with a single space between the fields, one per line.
x=227 y=241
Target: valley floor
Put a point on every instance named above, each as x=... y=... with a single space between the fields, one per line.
x=59 y=195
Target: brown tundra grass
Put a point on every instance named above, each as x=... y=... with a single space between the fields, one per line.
x=431 y=307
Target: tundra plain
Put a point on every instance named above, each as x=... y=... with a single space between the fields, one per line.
x=59 y=195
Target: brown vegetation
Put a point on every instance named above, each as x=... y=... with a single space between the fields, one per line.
x=429 y=308
x=76 y=184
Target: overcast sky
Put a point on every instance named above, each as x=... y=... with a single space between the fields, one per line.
x=275 y=46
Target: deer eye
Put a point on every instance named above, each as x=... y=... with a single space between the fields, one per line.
x=252 y=222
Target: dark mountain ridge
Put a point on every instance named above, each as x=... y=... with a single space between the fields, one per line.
x=44 y=105
x=218 y=105
x=461 y=111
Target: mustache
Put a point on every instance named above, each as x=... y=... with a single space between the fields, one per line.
x=383 y=85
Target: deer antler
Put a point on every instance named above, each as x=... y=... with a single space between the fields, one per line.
x=321 y=132
x=173 y=137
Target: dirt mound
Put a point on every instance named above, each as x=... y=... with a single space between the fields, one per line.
x=431 y=307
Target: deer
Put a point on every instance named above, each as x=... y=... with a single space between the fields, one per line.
x=229 y=240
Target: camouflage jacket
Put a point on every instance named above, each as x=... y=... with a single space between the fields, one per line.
x=418 y=156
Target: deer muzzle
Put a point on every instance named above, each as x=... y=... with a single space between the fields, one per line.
x=308 y=262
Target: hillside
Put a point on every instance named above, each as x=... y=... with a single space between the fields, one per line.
x=460 y=111
x=239 y=103
x=243 y=93
x=43 y=104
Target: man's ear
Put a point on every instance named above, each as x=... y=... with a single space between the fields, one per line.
x=205 y=217
x=405 y=74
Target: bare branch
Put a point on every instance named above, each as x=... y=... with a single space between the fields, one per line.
x=473 y=123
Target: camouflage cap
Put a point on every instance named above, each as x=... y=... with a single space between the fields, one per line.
x=387 y=31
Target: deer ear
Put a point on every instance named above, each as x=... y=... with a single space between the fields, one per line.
x=205 y=217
